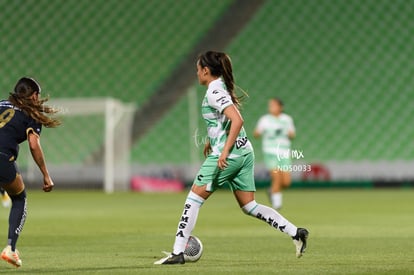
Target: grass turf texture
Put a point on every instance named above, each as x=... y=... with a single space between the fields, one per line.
x=351 y=232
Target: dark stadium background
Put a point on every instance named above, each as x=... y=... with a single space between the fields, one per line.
x=343 y=68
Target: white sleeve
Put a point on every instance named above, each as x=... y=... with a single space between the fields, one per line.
x=260 y=126
x=291 y=125
x=219 y=99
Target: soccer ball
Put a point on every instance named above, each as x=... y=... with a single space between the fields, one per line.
x=193 y=249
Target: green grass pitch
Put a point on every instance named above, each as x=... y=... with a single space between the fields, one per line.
x=362 y=231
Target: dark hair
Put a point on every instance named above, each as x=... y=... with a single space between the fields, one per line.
x=278 y=100
x=21 y=98
x=219 y=64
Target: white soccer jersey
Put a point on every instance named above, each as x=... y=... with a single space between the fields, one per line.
x=274 y=131
x=215 y=101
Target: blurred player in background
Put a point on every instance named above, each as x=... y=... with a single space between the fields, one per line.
x=229 y=158
x=276 y=130
x=5 y=199
x=21 y=118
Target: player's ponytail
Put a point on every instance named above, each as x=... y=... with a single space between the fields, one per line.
x=21 y=98
x=220 y=66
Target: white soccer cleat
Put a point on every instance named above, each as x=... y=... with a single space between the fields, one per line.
x=11 y=257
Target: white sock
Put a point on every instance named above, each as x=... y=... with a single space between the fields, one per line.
x=276 y=200
x=270 y=216
x=187 y=221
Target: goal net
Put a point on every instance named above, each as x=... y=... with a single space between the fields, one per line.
x=91 y=149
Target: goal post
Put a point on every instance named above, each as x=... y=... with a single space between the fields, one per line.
x=92 y=146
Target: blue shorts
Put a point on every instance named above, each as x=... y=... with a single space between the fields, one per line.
x=8 y=169
x=239 y=174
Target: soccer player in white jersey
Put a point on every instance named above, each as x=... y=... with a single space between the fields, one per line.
x=276 y=130
x=229 y=158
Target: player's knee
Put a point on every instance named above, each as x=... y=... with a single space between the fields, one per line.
x=20 y=196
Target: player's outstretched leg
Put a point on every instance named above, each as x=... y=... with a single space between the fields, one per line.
x=274 y=219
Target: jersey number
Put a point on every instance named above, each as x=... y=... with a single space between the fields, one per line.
x=5 y=117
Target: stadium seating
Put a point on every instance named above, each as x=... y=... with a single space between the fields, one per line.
x=100 y=48
x=81 y=48
x=343 y=69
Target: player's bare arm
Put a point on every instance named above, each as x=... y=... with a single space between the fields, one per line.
x=207 y=148
x=38 y=157
x=236 y=119
x=256 y=134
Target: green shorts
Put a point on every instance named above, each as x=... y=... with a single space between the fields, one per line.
x=239 y=174
x=273 y=162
